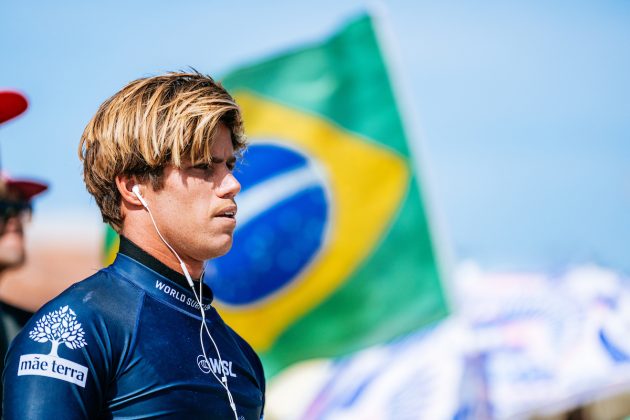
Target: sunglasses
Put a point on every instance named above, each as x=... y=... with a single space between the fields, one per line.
x=10 y=209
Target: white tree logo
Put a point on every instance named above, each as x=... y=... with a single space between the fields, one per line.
x=59 y=327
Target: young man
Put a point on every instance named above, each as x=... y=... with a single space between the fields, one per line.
x=140 y=339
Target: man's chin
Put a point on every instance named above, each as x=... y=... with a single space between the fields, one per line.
x=220 y=250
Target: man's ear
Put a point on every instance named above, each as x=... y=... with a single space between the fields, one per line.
x=125 y=186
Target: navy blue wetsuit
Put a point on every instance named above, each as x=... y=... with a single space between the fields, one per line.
x=124 y=343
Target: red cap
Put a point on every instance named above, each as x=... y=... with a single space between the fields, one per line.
x=27 y=189
x=12 y=104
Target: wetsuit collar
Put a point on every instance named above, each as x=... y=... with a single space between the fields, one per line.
x=164 y=288
x=132 y=250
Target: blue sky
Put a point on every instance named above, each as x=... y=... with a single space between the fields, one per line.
x=522 y=109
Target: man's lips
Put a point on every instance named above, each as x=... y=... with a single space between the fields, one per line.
x=227 y=212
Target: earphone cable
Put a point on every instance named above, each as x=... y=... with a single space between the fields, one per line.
x=203 y=326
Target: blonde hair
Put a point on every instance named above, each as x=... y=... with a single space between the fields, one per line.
x=149 y=124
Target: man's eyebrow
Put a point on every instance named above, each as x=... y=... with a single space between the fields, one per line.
x=231 y=159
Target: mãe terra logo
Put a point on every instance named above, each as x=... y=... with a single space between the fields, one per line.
x=57 y=327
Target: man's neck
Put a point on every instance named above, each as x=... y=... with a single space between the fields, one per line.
x=153 y=245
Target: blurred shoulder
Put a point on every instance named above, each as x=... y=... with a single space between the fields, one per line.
x=250 y=354
x=102 y=296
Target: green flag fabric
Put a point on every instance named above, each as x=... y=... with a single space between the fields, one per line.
x=333 y=250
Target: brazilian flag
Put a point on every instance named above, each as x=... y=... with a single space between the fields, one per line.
x=333 y=250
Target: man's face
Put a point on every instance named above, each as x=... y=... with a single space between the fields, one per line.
x=195 y=210
x=12 y=214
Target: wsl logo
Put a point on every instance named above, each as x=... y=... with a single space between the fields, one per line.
x=57 y=327
x=282 y=222
x=207 y=365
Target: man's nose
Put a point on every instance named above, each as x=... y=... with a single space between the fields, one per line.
x=12 y=224
x=229 y=186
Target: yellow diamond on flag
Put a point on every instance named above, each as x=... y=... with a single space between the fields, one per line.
x=367 y=183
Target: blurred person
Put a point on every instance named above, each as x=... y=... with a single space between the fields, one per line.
x=15 y=211
x=140 y=338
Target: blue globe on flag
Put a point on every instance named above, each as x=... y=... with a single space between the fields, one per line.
x=281 y=224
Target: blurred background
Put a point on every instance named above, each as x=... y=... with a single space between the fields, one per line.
x=516 y=122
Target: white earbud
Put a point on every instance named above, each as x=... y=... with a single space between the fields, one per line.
x=136 y=190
